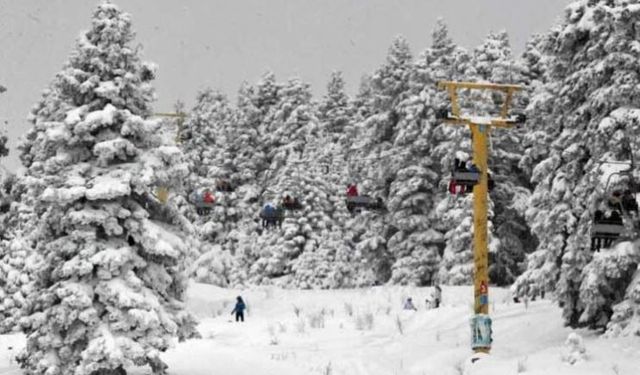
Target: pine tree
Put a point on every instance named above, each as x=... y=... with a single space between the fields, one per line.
x=112 y=281
x=336 y=112
x=415 y=191
x=588 y=107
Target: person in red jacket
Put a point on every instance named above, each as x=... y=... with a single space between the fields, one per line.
x=208 y=197
x=352 y=190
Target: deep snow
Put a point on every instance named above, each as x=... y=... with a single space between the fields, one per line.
x=333 y=333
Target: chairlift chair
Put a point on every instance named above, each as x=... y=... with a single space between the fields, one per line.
x=202 y=207
x=364 y=202
x=606 y=229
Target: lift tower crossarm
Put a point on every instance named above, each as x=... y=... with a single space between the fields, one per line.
x=480 y=130
x=453 y=87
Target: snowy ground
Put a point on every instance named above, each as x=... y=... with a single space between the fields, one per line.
x=358 y=332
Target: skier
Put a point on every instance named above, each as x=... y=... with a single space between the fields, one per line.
x=437 y=296
x=239 y=309
x=408 y=305
x=352 y=190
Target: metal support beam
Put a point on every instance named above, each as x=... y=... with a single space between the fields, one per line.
x=480 y=131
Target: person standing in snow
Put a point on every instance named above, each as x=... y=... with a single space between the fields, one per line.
x=437 y=296
x=408 y=305
x=239 y=309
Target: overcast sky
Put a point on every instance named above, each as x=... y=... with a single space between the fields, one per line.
x=220 y=43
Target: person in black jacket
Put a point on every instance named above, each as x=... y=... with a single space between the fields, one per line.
x=239 y=309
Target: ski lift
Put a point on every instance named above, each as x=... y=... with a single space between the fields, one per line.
x=367 y=202
x=463 y=179
x=606 y=229
x=355 y=201
x=203 y=202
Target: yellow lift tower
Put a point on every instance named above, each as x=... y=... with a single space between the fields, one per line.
x=480 y=129
x=162 y=193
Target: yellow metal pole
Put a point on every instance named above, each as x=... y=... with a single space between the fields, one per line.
x=505 y=107
x=480 y=135
x=481 y=323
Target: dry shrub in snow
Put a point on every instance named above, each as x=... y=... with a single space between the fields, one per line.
x=399 y=325
x=574 y=350
x=364 y=322
x=301 y=326
x=316 y=320
x=522 y=365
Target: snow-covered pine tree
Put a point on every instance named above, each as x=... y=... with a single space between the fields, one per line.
x=369 y=160
x=588 y=106
x=205 y=134
x=112 y=283
x=15 y=255
x=288 y=128
x=336 y=112
x=416 y=246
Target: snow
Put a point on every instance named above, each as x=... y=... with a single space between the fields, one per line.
x=116 y=184
x=104 y=116
x=331 y=336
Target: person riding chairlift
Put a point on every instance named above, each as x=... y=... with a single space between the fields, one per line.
x=268 y=214
x=629 y=202
x=352 y=190
x=615 y=200
x=287 y=200
x=208 y=197
x=459 y=165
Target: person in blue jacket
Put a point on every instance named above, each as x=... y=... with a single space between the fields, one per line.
x=239 y=309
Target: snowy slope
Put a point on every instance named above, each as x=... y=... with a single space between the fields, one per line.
x=274 y=340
